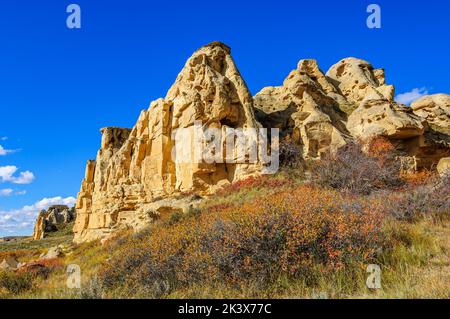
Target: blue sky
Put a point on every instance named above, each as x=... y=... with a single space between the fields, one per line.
x=58 y=86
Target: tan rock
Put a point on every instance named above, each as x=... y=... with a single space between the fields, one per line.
x=136 y=168
x=443 y=167
x=307 y=110
x=435 y=109
x=53 y=252
x=356 y=79
x=381 y=117
x=9 y=263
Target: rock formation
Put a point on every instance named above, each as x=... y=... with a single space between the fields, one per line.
x=307 y=110
x=52 y=219
x=321 y=112
x=435 y=109
x=443 y=167
x=146 y=172
x=135 y=169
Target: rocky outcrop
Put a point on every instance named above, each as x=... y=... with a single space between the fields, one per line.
x=357 y=79
x=373 y=111
x=321 y=112
x=9 y=263
x=138 y=167
x=307 y=110
x=380 y=117
x=52 y=219
x=435 y=109
x=443 y=167
x=145 y=173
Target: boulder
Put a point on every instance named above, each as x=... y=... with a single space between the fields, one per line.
x=9 y=263
x=443 y=167
x=53 y=252
x=380 y=117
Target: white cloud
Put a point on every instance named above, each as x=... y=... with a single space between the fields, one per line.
x=4 y=138
x=7 y=174
x=19 y=220
x=4 y=151
x=6 y=192
x=409 y=97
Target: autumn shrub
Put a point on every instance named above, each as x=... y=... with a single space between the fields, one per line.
x=290 y=155
x=430 y=199
x=358 y=172
x=287 y=233
x=42 y=268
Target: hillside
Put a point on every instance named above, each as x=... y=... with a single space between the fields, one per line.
x=268 y=237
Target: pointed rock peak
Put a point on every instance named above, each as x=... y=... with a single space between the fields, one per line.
x=211 y=86
x=358 y=79
x=217 y=44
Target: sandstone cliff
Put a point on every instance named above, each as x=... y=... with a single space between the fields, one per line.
x=135 y=169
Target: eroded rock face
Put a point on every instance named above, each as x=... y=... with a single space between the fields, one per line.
x=352 y=101
x=374 y=111
x=52 y=219
x=306 y=109
x=381 y=117
x=435 y=109
x=356 y=79
x=135 y=169
x=443 y=167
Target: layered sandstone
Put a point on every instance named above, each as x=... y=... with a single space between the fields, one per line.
x=137 y=170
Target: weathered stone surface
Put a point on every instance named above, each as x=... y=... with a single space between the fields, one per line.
x=51 y=219
x=135 y=168
x=443 y=167
x=373 y=112
x=53 y=252
x=356 y=79
x=381 y=117
x=306 y=109
x=9 y=263
x=435 y=109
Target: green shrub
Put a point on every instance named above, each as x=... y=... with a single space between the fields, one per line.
x=16 y=282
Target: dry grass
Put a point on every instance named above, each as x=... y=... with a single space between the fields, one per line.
x=265 y=238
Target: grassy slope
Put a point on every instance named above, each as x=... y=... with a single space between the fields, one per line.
x=417 y=267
